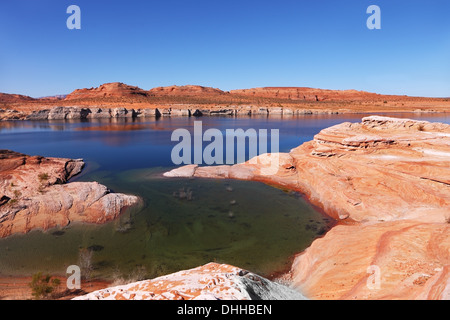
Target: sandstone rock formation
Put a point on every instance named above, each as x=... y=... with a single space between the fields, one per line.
x=191 y=100
x=189 y=90
x=115 y=89
x=387 y=181
x=305 y=94
x=210 y=282
x=81 y=113
x=11 y=115
x=35 y=195
x=410 y=258
x=8 y=98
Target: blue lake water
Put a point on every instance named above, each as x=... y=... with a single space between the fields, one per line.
x=247 y=224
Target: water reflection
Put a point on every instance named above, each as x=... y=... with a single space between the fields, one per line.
x=184 y=223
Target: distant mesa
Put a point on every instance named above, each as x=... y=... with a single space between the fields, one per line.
x=6 y=98
x=121 y=90
x=189 y=90
x=14 y=98
x=55 y=97
x=304 y=93
x=199 y=100
x=115 y=90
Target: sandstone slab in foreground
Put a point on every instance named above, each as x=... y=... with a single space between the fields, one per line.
x=209 y=282
x=387 y=181
x=35 y=194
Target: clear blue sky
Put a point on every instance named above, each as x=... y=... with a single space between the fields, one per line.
x=230 y=44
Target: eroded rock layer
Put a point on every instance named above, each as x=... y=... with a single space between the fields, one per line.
x=117 y=99
x=35 y=195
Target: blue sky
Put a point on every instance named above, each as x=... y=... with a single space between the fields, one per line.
x=226 y=44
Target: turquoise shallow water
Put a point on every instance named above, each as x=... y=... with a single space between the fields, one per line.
x=183 y=223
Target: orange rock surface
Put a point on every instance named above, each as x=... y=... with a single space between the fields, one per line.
x=209 y=282
x=387 y=181
x=413 y=260
x=116 y=89
x=11 y=98
x=306 y=94
x=188 y=90
x=34 y=194
x=268 y=100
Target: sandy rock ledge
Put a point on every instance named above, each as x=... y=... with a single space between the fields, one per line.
x=35 y=194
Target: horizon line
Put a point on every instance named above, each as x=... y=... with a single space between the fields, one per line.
x=225 y=91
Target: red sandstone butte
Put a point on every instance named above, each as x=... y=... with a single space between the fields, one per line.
x=115 y=90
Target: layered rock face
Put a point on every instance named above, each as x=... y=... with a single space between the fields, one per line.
x=121 y=100
x=387 y=181
x=210 y=282
x=11 y=115
x=8 y=98
x=115 y=89
x=34 y=195
x=404 y=259
x=305 y=94
x=189 y=90
x=77 y=113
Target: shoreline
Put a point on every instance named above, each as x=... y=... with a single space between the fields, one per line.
x=395 y=205
x=116 y=112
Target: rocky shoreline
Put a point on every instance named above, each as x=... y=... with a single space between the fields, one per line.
x=84 y=113
x=98 y=113
x=119 y=100
x=34 y=194
x=387 y=181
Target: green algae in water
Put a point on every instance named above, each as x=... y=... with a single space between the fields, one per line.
x=183 y=223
